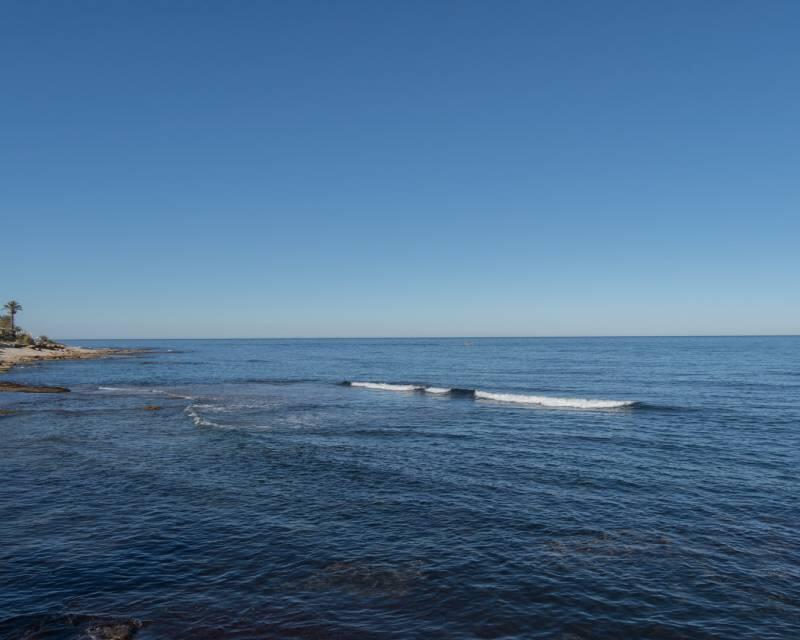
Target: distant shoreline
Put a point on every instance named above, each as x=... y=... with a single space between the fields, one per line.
x=12 y=356
x=480 y=337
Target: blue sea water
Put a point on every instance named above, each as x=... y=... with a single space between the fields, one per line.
x=266 y=499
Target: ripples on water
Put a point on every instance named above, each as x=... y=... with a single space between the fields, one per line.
x=267 y=499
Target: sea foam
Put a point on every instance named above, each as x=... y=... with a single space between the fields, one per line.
x=515 y=398
x=199 y=420
x=550 y=401
x=438 y=390
x=131 y=390
x=383 y=386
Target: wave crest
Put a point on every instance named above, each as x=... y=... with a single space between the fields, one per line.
x=199 y=421
x=515 y=398
x=438 y=390
x=549 y=401
x=385 y=386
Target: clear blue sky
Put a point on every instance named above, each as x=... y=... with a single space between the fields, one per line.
x=400 y=168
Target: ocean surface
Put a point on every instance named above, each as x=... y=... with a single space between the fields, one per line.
x=485 y=488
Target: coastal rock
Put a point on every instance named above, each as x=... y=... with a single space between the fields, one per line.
x=70 y=626
x=11 y=355
x=124 y=630
x=27 y=388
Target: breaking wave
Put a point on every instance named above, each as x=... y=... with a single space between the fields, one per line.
x=384 y=386
x=388 y=386
x=437 y=390
x=199 y=421
x=514 y=398
x=549 y=401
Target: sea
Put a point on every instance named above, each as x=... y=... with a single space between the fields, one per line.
x=465 y=488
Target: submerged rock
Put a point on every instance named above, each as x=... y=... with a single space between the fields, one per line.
x=117 y=630
x=70 y=626
x=27 y=388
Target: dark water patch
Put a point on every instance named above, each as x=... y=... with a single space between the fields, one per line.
x=614 y=543
x=368 y=578
x=69 y=627
x=457 y=392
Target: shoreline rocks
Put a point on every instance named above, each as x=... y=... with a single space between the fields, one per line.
x=16 y=387
x=11 y=356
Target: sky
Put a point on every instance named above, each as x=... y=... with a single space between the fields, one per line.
x=299 y=169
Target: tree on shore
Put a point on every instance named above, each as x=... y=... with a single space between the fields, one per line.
x=13 y=307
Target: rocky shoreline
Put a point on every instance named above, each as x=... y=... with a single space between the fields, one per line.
x=11 y=356
x=28 y=388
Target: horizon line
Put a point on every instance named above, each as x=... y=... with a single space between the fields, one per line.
x=464 y=337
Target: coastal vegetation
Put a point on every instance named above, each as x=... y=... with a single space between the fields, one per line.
x=12 y=335
x=13 y=307
x=18 y=347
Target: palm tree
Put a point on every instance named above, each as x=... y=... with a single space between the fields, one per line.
x=13 y=307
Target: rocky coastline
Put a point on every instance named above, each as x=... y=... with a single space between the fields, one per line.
x=11 y=356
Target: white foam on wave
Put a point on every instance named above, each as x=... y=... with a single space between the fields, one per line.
x=208 y=407
x=145 y=391
x=383 y=386
x=517 y=398
x=199 y=421
x=178 y=396
x=437 y=390
x=131 y=390
x=549 y=401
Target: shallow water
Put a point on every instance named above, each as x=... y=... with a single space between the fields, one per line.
x=267 y=499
